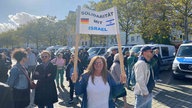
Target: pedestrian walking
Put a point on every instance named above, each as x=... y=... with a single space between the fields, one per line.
x=144 y=77
x=97 y=85
x=18 y=79
x=31 y=61
x=156 y=63
x=30 y=66
x=131 y=60
x=69 y=72
x=116 y=73
x=4 y=67
x=45 y=73
x=60 y=63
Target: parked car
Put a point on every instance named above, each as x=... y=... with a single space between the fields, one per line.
x=93 y=51
x=182 y=64
x=62 y=49
x=79 y=48
x=124 y=48
x=166 y=52
x=53 y=48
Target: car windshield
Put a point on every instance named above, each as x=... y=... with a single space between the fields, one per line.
x=184 y=51
x=92 y=51
x=136 y=49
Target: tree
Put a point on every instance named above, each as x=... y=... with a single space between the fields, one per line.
x=127 y=15
x=185 y=8
x=154 y=22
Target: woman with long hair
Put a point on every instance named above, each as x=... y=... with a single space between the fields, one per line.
x=97 y=85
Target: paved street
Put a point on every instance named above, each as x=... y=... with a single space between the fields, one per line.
x=170 y=93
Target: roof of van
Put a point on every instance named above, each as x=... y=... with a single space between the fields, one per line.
x=153 y=45
x=186 y=44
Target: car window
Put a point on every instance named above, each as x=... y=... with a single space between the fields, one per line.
x=126 y=49
x=165 y=51
x=102 y=51
x=185 y=51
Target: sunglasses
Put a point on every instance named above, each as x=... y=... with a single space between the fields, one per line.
x=150 y=51
x=97 y=63
x=44 y=56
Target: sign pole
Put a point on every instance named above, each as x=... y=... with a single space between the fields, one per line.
x=123 y=75
x=76 y=46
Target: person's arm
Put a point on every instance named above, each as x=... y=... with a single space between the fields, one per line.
x=37 y=73
x=14 y=74
x=81 y=85
x=52 y=72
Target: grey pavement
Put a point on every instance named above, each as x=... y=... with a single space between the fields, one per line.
x=170 y=93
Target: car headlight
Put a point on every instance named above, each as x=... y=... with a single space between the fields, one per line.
x=175 y=65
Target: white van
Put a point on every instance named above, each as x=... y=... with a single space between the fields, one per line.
x=166 y=52
x=182 y=64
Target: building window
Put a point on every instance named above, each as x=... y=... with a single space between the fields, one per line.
x=82 y=43
x=138 y=37
x=132 y=39
x=181 y=37
x=86 y=43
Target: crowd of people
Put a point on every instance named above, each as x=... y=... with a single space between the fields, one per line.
x=98 y=80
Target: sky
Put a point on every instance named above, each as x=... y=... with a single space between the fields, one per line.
x=16 y=12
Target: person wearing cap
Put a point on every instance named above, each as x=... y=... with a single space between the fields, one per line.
x=144 y=77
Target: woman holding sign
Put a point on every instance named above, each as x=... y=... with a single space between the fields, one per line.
x=97 y=85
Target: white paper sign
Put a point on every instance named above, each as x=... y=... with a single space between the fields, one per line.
x=99 y=23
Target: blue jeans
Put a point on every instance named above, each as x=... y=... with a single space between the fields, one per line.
x=143 y=101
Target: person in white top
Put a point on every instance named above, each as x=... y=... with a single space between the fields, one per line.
x=97 y=85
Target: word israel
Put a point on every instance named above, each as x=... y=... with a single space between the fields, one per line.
x=109 y=14
x=96 y=28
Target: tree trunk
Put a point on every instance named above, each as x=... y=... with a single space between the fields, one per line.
x=186 y=28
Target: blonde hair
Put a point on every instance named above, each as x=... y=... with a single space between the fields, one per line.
x=47 y=52
x=90 y=69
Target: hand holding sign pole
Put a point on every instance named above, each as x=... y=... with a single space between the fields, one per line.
x=123 y=75
x=98 y=23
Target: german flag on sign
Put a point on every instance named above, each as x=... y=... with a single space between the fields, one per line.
x=84 y=20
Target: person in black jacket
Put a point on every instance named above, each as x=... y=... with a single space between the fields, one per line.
x=45 y=73
x=4 y=67
x=6 y=100
x=69 y=72
x=156 y=64
x=111 y=58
